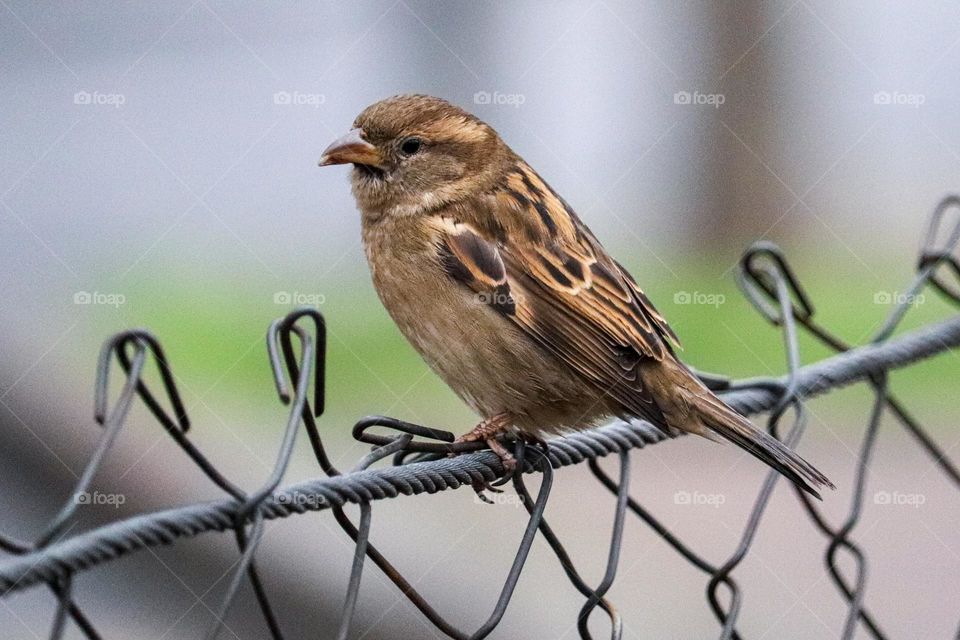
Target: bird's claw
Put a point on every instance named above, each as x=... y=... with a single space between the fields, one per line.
x=509 y=463
x=509 y=470
x=482 y=486
x=487 y=432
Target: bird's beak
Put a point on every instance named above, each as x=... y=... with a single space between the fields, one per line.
x=350 y=148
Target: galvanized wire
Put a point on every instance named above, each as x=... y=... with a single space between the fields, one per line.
x=421 y=463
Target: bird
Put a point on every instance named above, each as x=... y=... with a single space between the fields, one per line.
x=510 y=298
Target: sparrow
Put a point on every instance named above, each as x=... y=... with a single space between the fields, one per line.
x=510 y=298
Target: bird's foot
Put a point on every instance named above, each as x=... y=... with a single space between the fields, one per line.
x=488 y=431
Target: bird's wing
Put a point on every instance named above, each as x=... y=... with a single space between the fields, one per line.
x=567 y=294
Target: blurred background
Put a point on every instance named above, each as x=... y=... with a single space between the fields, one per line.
x=158 y=169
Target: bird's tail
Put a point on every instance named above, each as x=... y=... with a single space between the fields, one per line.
x=690 y=406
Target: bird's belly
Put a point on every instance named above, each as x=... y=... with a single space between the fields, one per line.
x=481 y=355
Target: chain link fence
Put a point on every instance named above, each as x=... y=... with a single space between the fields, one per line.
x=421 y=462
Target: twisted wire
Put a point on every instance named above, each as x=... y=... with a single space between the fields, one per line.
x=118 y=539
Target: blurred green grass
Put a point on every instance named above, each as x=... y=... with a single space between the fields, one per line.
x=213 y=333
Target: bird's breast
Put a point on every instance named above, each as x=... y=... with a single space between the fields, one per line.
x=488 y=361
x=443 y=320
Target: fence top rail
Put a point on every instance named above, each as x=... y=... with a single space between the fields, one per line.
x=99 y=545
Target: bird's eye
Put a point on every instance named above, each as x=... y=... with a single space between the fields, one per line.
x=410 y=146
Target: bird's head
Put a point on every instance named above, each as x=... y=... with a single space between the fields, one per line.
x=413 y=154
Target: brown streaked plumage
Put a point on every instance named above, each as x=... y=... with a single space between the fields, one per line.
x=509 y=297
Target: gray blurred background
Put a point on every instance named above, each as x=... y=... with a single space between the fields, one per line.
x=158 y=169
